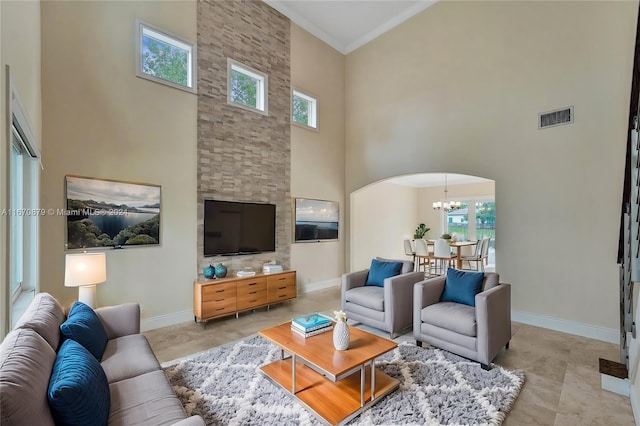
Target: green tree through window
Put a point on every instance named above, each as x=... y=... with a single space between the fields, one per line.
x=243 y=89
x=164 y=61
x=300 y=110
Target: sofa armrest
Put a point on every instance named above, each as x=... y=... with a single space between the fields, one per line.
x=191 y=421
x=120 y=320
x=352 y=280
x=493 y=316
x=398 y=299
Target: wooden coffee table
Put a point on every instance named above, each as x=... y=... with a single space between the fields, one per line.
x=335 y=385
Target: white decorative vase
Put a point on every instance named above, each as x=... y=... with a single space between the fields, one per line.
x=341 y=336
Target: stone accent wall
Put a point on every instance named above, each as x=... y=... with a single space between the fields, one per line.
x=244 y=155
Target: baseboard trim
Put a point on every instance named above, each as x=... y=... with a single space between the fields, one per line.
x=597 y=332
x=166 y=320
x=320 y=285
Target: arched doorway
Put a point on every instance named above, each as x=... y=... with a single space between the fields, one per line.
x=385 y=213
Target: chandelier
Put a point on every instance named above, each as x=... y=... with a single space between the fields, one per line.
x=446 y=205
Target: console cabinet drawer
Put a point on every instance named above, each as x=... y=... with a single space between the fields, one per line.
x=281 y=287
x=252 y=299
x=249 y=287
x=218 y=291
x=215 y=308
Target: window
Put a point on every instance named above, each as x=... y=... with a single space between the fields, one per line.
x=247 y=87
x=304 y=109
x=164 y=58
x=16 y=220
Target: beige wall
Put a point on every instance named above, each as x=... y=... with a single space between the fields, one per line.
x=382 y=216
x=458 y=88
x=317 y=158
x=20 y=49
x=102 y=121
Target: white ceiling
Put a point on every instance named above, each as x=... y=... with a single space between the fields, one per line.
x=347 y=25
x=422 y=180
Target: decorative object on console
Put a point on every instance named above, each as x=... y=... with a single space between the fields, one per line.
x=220 y=270
x=341 y=331
x=421 y=231
x=316 y=220
x=209 y=272
x=85 y=270
x=271 y=268
x=108 y=213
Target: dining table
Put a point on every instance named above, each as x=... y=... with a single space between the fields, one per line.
x=458 y=245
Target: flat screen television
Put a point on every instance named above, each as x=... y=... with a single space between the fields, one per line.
x=235 y=228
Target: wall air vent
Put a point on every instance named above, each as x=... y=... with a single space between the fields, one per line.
x=554 y=118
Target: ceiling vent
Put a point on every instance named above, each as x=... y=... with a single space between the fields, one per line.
x=554 y=118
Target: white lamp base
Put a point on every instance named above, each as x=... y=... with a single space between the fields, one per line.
x=87 y=295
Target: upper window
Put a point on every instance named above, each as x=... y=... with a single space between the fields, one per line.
x=247 y=87
x=164 y=58
x=304 y=109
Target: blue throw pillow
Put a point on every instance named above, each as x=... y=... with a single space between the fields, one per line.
x=84 y=326
x=462 y=286
x=78 y=391
x=379 y=271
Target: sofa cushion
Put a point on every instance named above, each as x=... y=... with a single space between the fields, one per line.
x=380 y=271
x=462 y=286
x=451 y=316
x=128 y=356
x=84 y=326
x=144 y=400
x=26 y=360
x=407 y=265
x=44 y=316
x=371 y=297
x=78 y=389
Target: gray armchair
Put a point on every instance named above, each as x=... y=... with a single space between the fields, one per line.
x=387 y=308
x=477 y=333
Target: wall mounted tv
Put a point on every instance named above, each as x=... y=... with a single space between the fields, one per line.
x=234 y=228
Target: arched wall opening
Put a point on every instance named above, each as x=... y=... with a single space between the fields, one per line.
x=386 y=212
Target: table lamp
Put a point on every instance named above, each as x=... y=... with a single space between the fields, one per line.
x=85 y=270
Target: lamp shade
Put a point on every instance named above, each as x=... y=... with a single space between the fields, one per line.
x=85 y=269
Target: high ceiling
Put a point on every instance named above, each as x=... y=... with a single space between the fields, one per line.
x=422 y=180
x=347 y=25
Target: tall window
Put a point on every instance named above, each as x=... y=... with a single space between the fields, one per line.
x=164 y=58
x=485 y=219
x=304 y=109
x=16 y=218
x=247 y=87
x=458 y=221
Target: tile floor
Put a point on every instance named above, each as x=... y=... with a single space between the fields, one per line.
x=562 y=385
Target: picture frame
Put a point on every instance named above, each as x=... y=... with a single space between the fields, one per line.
x=102 y=213
x=315 y=220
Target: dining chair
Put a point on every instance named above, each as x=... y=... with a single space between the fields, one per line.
x=485 y=250
x=476 y=256
x=422 y=255
x=409 y=251
x=441 y=256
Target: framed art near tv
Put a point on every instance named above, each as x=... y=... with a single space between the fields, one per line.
x=108 y=213
x=316 y=220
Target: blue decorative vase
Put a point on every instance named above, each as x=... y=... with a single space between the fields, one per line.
x=209 y=272
x=221 y=270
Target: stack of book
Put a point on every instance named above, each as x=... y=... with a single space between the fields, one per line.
x=310 y=325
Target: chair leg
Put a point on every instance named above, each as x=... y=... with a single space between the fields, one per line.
x=392 y=336
x=418 y=343
x=507 y=345
x=484 y=367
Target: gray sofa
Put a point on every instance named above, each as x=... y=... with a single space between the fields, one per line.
x=476 y=332
x=139 y=391
x=387 y=308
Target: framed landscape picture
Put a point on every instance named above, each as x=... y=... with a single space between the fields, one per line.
x=316 y=220
x=107 y=213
